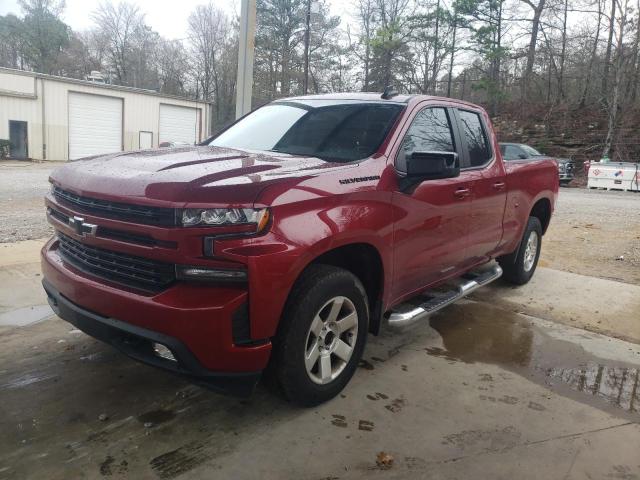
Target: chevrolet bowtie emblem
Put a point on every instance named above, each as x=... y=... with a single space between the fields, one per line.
x=82 y=228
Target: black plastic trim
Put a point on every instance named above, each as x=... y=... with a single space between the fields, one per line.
x=136 y=342
x=161 y=216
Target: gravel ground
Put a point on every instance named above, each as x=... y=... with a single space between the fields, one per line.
x=593 y=232
x=22 y=186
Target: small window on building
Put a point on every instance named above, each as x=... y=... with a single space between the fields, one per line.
x=474 y=134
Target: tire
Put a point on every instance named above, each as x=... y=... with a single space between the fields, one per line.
x=324 y=296
x=519 y=267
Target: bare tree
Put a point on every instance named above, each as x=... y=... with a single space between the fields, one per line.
x=118 y=26
x=212 y=38
x=614 y=106
x=607 y=57
x=592 y=57
x=365 y=17
x=537 y=8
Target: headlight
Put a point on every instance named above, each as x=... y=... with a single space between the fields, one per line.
x=225 y=216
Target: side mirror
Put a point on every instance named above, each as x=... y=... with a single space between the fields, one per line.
x=522 y=156
x=432 y=165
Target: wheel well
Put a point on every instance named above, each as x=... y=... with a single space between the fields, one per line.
x=364 y=261
x=542 y=211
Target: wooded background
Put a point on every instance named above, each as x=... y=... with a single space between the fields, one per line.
x=562 y=75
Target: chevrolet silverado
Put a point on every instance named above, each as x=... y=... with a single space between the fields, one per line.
x=279 y=244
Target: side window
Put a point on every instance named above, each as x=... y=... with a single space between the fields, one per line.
x=430 y=131
x=511 y=152
x=479 y=151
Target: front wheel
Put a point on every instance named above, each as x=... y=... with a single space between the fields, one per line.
x=519 y=268
x=322 y=335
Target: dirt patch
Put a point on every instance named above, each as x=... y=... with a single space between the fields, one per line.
x=595 y=233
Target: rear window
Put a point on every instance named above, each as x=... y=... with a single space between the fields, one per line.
x=476 y=139
x=338 y=131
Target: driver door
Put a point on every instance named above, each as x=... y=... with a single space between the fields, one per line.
x=430 y=219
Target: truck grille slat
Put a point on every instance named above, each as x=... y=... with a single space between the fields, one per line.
x=117 y=267
x=119 y=211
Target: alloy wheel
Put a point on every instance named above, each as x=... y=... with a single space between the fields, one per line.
x=331 y=340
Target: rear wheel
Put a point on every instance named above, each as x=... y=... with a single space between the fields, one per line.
x=322 y=335
x=519 y=267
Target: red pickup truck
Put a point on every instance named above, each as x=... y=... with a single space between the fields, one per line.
x=279 y=244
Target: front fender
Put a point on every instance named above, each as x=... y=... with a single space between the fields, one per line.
x=300 y=233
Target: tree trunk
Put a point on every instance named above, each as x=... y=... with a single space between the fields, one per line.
x=561 y=93
x=434 y=73
x=592 y=59
x=284 y=77
x=453 y=50
x=614 y=104
x=531 y=52
x=494 y=88
x=607 y=57
x=635 y=65
x=367 y=60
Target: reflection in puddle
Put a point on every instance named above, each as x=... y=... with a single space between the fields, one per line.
x=474 y=332
x=476 y=337
x=618 y=386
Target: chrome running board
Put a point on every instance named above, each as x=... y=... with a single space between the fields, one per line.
x=434 y=300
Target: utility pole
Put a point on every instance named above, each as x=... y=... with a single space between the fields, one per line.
x=307 y=38
x=245 y=57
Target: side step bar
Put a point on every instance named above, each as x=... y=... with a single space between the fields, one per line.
x=406 y=314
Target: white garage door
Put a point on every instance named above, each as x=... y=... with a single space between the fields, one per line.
x=179 y=124
x=95 y=125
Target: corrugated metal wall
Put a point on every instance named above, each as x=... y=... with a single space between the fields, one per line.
x=21 y=98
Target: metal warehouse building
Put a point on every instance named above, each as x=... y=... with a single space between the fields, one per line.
x=55 y=118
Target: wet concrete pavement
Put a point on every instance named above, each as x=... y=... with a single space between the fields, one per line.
x=591 y=303
x=479 y=391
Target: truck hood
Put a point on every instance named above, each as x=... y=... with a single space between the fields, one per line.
x=203 y=174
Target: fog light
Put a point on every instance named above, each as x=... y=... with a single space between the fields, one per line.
x=163 y=352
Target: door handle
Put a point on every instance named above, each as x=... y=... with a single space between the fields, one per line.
x=499 y=185
x=462 y=193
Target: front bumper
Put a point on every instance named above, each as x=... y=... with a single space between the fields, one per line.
x=193 y=320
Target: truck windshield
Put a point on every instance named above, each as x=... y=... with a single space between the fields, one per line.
x=337 y=131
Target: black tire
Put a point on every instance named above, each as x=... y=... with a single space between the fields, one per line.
x=317 y=285
x=514 y=266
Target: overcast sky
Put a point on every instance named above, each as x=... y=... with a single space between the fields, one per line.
x=167 y=17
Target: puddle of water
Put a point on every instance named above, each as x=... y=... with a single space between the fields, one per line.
x=25 y=316
x=475 y=332
x=618 y=386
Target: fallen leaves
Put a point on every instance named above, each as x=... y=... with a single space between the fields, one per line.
x=384 y=460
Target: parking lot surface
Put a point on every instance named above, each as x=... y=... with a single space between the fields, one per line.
x=535 y=382
x=477 y=390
